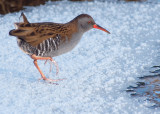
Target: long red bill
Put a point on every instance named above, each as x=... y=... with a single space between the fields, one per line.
x=101 y=28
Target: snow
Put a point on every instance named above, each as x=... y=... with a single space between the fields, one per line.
x=97 y=71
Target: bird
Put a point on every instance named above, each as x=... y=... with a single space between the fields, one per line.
x=44 y=40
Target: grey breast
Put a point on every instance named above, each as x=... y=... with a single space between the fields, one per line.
x=68 y=45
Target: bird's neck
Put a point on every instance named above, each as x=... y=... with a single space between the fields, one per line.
x=75 y=26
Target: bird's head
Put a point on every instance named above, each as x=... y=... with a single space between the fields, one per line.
x=86 y=22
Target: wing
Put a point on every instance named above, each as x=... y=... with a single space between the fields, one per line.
x=36 y=33
x=33 y=33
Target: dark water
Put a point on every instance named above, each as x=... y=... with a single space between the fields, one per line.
x=148 y=87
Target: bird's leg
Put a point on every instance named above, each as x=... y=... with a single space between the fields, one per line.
x=52 y=61
x=45 y=62
x=57 y=68
x=44 y=58
x=43 y=76
x=50 y=66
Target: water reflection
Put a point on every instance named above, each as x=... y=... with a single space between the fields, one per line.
x=148 y=86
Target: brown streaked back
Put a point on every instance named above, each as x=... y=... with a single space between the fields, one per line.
x=36 y=33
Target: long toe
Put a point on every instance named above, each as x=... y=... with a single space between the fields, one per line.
x=53 y=80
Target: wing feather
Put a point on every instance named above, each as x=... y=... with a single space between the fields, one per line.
x=36 y=33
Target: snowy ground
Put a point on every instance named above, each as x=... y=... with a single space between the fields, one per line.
x=98 y=70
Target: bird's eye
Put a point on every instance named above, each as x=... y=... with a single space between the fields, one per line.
x=89 y=22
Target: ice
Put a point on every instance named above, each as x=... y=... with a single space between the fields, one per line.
x=98 y=70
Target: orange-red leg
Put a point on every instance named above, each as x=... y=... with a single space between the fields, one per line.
x=50 y=66
x=57 y=68
x=44 y=58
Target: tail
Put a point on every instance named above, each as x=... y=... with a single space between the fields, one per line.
x=20 y=30
x=25 y=20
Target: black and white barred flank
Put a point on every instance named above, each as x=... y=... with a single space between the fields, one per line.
x=46 y=46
